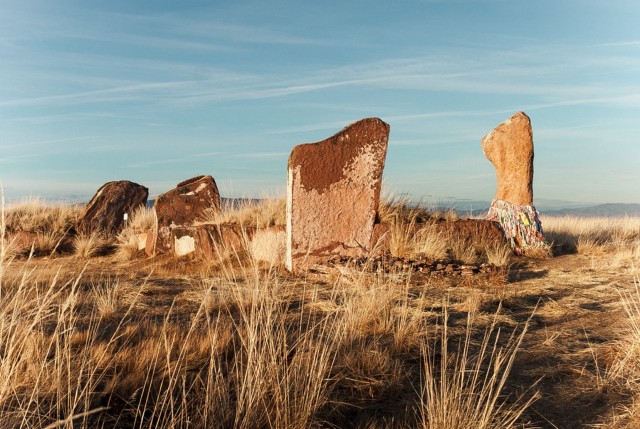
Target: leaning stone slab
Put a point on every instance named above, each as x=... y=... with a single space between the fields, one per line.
x=188 y=202
x=105 y=212
x=509 y=147
x=333 y=191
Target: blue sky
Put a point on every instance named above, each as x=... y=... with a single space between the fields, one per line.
x=159 y=91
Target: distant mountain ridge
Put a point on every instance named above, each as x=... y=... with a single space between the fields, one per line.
x=602 y=210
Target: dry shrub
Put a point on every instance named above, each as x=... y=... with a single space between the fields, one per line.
x=47 y=242
x=269 y=247
x=625 y=368
x=463 y=251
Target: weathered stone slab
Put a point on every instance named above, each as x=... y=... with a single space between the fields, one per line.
x=210 y=242
x=333 y=191
x=509 y=147
x=105 y=212
x=188 y=202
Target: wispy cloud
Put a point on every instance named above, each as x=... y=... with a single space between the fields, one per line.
x=632 y=43
x=46 y=142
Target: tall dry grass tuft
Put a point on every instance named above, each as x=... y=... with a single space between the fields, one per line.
x=88 y=245
x=143 y=219
x=499 y=254
x=624 y=370
x=38 y=217
x=464 y=388
x=127 y=246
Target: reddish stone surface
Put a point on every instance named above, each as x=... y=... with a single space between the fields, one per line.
x=333 y=191
x=187 y=203
x=509 y=147
x=210 y=242
x=476 y=230
x=105 y=212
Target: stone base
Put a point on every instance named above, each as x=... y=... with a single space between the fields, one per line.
x=521 y=225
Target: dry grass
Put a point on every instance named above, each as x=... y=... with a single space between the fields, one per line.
x=252 y=349
x=127 y=245
x=143 y=219
x=88 y=245
x=172 y=344
x=592 y=236
x=39 y=217
x=257 y=214
x=463 y=389
x=499 y=254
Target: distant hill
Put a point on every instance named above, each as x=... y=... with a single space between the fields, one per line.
x=604 y=210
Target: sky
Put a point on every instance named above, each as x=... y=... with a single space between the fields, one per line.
x=159 y=91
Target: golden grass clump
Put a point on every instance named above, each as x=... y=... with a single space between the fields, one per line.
x=143 y=219
x=463 y=388
x=38 y=217
x=258 y=214
x=499 y=254
x=88 y=245
x=127 y=245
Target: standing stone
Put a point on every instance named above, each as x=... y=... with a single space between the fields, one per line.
x=333 y=191
x=509 y=147
x=188 y=202
x=105 y=212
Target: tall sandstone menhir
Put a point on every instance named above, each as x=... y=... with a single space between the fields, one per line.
x=187 y=203
x=333 y=191
x=105 y=212
x=509 y=147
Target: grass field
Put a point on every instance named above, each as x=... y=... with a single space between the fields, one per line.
x=95 y=334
